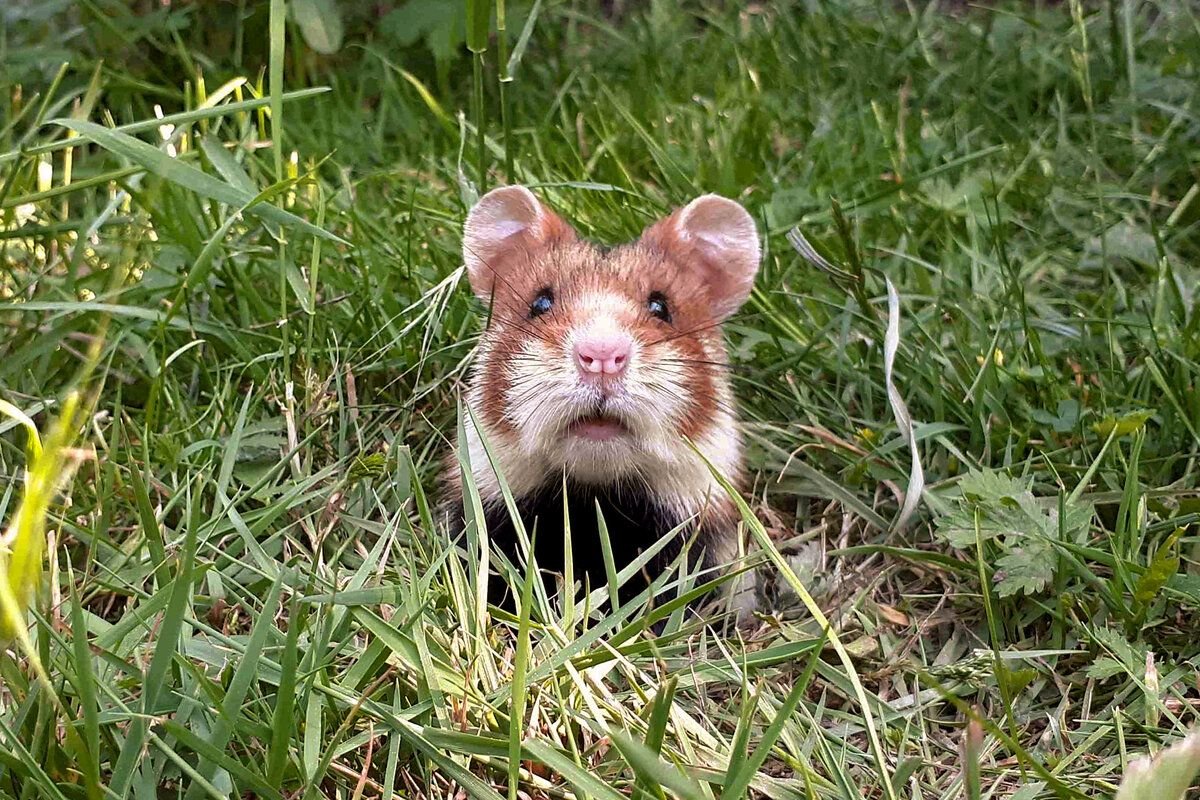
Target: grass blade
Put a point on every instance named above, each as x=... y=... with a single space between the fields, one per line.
x=516 y=723
x=172 y=169
x=764 y=541
x=736 y=784
x=165 y=649
x=85 y=685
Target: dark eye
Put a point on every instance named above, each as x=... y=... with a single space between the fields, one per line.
x=657 y=306
x=541 y=304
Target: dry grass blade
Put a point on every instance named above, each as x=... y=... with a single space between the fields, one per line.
x=891 y=344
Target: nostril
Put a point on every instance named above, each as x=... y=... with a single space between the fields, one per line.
x=602 y=355
x=587 y=361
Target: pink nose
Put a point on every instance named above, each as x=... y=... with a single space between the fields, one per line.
x=603 y=354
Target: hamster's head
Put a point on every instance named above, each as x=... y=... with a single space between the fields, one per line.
x=602 y=363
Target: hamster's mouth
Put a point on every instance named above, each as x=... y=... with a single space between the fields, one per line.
x=597 y=427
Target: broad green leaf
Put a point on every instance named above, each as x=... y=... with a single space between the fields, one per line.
x=1104 y=667
x=1124 y=425
x=996 y=507
x=320 y=24
x=1028 y=568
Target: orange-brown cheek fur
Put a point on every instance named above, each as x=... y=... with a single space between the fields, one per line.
x=493 y=373
x=509 y=356
x=702 y=405
x=693 y=337
x=678 y=350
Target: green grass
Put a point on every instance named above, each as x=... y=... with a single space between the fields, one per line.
x=246 y=592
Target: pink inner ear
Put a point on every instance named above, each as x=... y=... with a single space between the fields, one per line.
x=502 y=229
x=716 y=239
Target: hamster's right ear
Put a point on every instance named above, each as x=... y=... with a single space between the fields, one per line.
x=506 y=223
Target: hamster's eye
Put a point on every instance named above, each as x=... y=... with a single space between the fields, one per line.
x=657 y=306
x=542 y=303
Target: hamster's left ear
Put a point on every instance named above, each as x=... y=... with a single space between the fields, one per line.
x=717 y=239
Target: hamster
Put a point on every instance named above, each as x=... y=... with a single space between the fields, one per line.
x=596 y=369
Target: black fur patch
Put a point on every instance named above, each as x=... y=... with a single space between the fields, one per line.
x=634 y=519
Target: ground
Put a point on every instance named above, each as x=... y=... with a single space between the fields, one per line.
x=261 y=305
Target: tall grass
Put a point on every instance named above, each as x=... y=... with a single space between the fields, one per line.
x=247 y=591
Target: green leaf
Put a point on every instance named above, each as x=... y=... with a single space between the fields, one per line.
x=1163 y=566
x=177 y=120
x=285 y=711
x=33 y=442
x=24 y=541
x=226 y=165
x=653 y=770
x=1187 y=585
x=1023 y=527
x=85 y=684
x=737 y=783
x=212 y=754
x=439 y=23
x=998 y=496
x=320 y=24
x=990 y=486
x=1028 y=568
x=239 y=686
x=415 y=736
x=768 y=546
x=516 y=722
x=1124 y=425
x=155 y=684
x=660 y=714
x=1104 y=667
x=583 y=780
x=1132 y=659
x=1064 y=421
x=518 y=51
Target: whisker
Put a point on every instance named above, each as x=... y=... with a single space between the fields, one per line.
x=732 y=370
x=709 y=325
